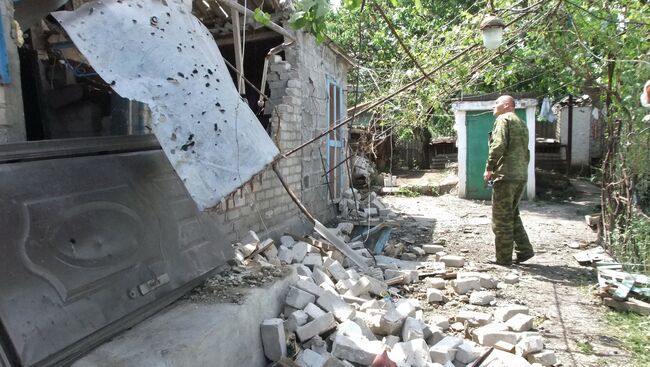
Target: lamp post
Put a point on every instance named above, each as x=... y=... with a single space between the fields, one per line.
x=492 y=28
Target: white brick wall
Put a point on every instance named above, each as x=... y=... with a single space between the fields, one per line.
x=298 y=88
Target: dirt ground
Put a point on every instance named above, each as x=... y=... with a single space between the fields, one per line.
x=557 y=290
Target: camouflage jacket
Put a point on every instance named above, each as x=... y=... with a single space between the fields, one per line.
x=508 y=152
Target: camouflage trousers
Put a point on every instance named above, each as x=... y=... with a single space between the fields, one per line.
x=506 y=222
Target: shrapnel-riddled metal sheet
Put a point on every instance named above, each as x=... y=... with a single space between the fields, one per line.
x=90 y=245
x=158 y=53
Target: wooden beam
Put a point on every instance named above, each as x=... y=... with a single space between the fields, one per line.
x=239 y=57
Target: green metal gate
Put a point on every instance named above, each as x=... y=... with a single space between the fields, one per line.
x=479 y=124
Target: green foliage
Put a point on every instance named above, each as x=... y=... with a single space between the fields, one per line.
x=406 y=191
x=262 y=17
x=632 y=330
x=585 y=347
x=632 y=242
x=311 y=15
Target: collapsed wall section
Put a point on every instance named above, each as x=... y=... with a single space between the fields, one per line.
x=298 y=86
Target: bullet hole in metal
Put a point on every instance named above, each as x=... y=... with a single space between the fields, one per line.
x=179 y=49
x=181 y=74
x=73 y=241
x=153 y=33
x=168 y=14
x=113 y=83
x=218 y=104
x=195 y=71
x=207 y=85
x=173 y=137
x=198 y=122
x=222 y=110
x=91 y=11
x=216 y=127
x=203 y=113
x=209 y=71
x=134 y=21
x=173 y=151
x=153 y=20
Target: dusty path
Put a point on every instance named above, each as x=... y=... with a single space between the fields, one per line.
x=552 y=284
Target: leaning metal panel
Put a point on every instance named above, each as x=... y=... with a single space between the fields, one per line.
x=89 y=243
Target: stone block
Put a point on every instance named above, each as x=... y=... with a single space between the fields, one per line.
x=337 y=271
x=390 y=323
x=309 y=358
x=407 y=307
x=331 y=303
x=357 y=350
x=506 y=347
x=343 y=286
x=320 y=277
x=499 y=358
x=285 y=255
x=439 y=321
x=412 y=329
x=303 y=270
x=349 y=328
x=298 y=298
x=505 y=313
x=545 y=358
x=314 y=311
x=376 y=286
x=444 y=351
x=417 y=251
x=467 y=352
x=473 y=318
x=528 y=345
x=490 y=334
x=316 y=327
x=313 y=260
x=481 y=298
x=432 y=282
x=274 y=340
x=359 y=287
x=391 y=340
x=432 y=249
x=433 y=334
x=353 y=274
x=310 y=287
x=413 y=353
x=520 y=322
x=287 y=241
x=299 y=251
x=511 y=279
x=332 y=361
x=453 y=261
x=365 y=330
x=463 y=286
x=271 y=252
x=435 y=295
x=488 y=281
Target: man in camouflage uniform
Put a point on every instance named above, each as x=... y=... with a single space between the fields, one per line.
x=507 y=167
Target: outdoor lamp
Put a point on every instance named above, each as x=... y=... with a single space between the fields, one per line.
x=492 y=28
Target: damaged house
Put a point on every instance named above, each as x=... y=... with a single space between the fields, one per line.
x=134 y=151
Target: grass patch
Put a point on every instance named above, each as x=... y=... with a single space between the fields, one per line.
x=632 y=330
x=585 y=347
x=408 y=192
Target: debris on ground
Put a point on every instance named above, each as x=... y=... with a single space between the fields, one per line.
x=622 y=290
x=338 y=315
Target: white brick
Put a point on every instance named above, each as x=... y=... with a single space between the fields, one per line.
x=412 y=329
x=453 y=261
x=435 y=295
x=504 y=314
x=309 y=358
x=490 y=334
x=528 y=345
x=357 y=350
x=316 y=327
x=331 y=303
x=298 y=298
x=437 y=283
x=314 y=311
x=520 y=322
x=462 y=286
x=413 y=353
x=432 y=249
x=545 y=358
x=273 y=339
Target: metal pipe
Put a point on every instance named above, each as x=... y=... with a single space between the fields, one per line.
x=267 y=59
x=569 y=141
